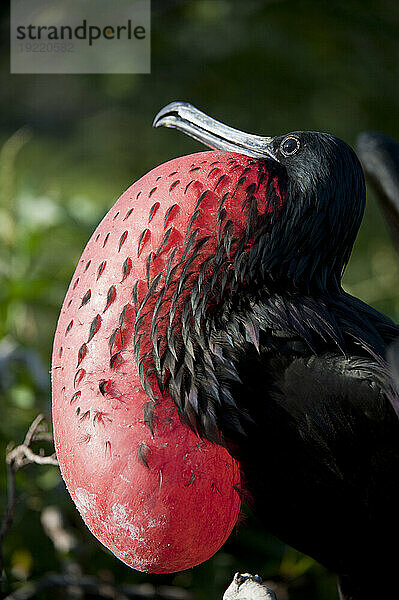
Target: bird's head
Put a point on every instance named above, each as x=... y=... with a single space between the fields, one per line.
x=307 y=242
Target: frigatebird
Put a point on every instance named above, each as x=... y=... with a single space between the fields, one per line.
x=290 y=371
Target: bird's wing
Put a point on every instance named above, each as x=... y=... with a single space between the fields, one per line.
x=326 y=440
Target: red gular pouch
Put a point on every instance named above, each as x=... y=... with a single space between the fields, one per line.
x=149 y=487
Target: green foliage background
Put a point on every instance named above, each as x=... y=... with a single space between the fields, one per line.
x=70 y=145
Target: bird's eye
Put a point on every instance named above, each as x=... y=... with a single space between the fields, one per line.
x=289 y=146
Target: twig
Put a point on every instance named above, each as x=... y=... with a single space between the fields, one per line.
x=33 y=429
x=22 y=455
x=16 y=458
x=46 y=436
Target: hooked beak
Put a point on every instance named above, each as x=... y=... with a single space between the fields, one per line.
x=212 y=133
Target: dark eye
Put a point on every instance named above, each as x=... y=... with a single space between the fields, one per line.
x=289 y=146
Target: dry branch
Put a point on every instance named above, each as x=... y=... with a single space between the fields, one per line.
x=16 y=458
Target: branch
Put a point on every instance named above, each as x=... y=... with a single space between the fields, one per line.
x=22 y=455
x=16 y=458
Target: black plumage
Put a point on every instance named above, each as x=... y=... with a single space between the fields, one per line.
x=289 y=371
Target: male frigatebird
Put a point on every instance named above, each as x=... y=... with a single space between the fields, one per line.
x=208 y=304
x=291 y=369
